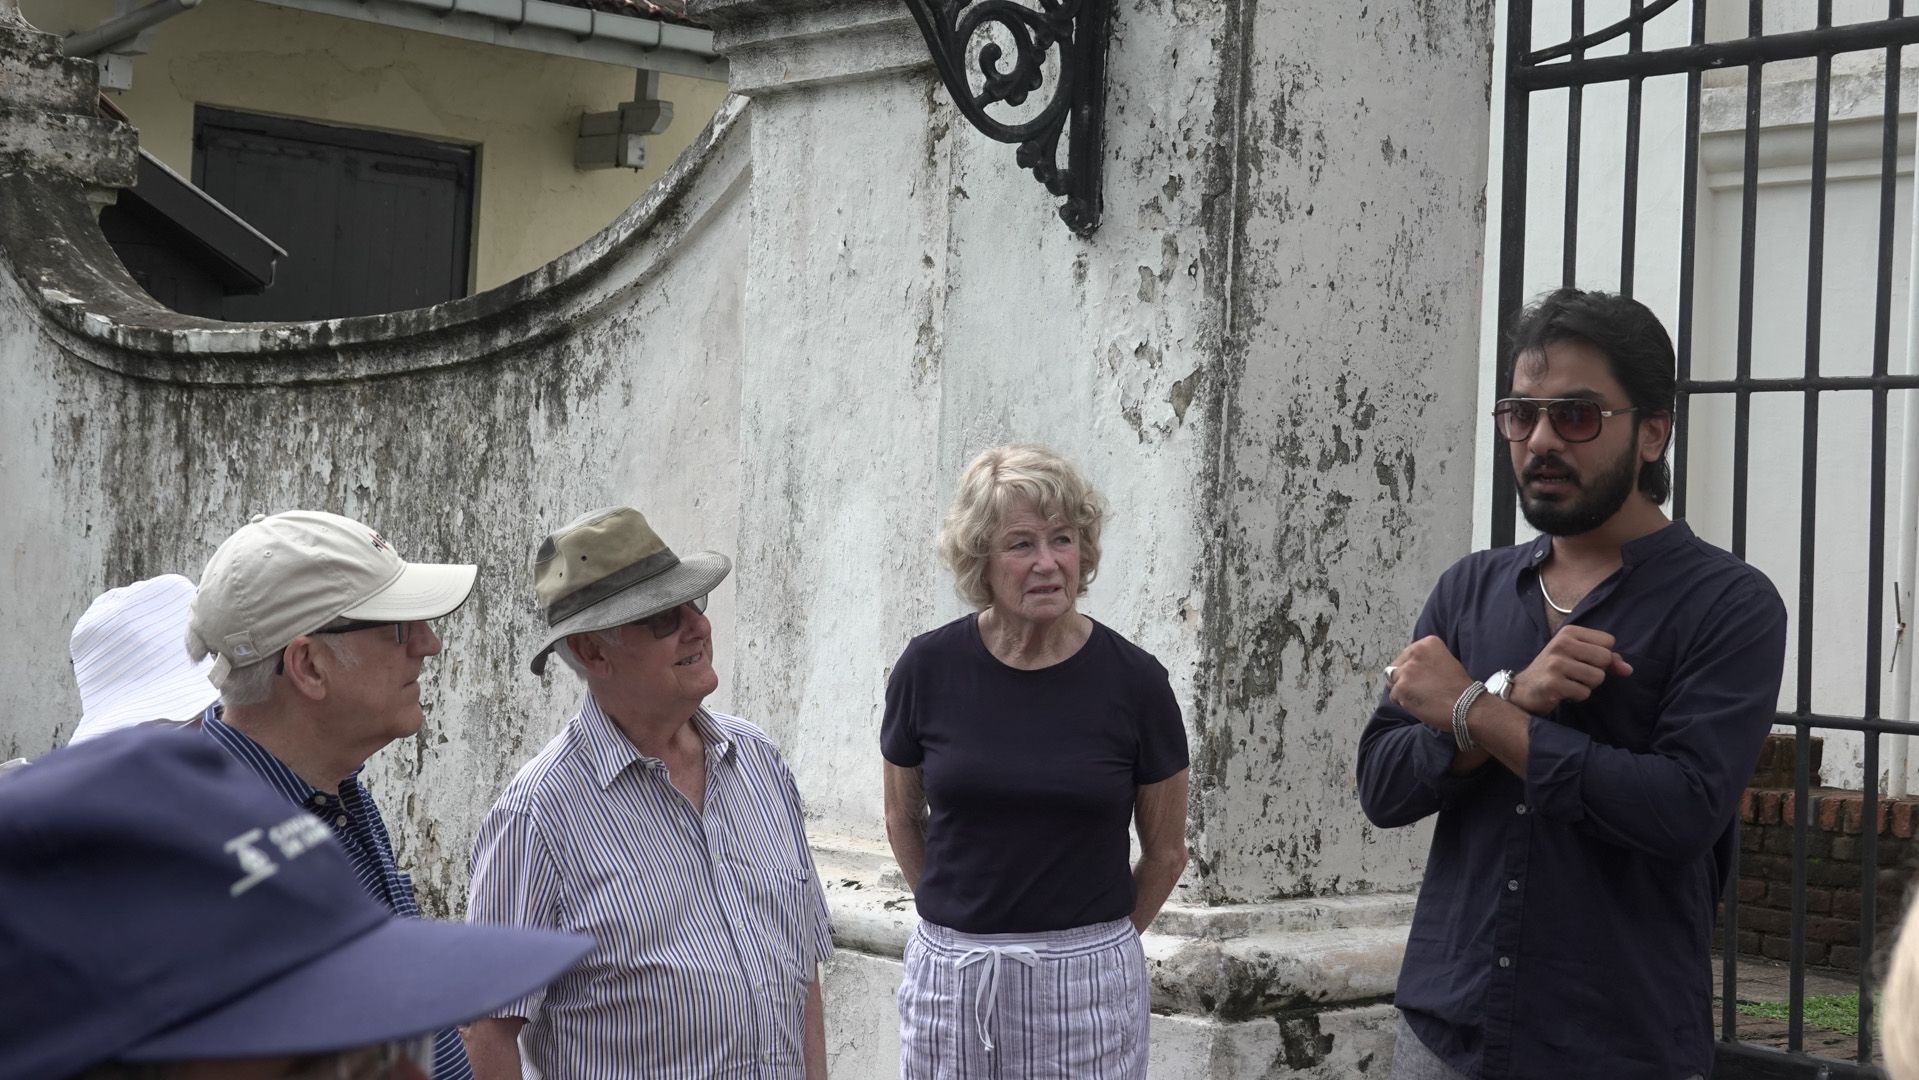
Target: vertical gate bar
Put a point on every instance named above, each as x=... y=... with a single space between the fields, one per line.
x=1869 y=863
x=1575 y=116
x=1512 y=235
x=1688 y=225
x=1629 y=201
x=1801 y=813
x=1742 y=400
x=1808 y=524
x=1876 y=528
x=1748 y=222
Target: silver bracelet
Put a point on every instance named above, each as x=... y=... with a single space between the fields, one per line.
x=1460 y=708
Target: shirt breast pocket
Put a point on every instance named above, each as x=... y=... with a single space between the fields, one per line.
x=1624 y=710
x=780 y=896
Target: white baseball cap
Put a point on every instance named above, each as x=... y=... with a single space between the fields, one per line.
x=130 y=658
x=293 y=573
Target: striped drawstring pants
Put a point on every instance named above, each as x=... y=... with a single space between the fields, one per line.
x=1064 y=1005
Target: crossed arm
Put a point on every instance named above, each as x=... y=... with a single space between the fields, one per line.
x=1670 y=800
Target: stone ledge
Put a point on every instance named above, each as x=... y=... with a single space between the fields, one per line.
x=1230 y=963
x=776 y=47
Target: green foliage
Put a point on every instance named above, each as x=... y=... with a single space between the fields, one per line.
x=1831 y=1012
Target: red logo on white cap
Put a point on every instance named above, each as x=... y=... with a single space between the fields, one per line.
x=379 y=542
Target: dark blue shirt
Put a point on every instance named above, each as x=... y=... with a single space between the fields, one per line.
x=1565 y=922
x=356 y=823
x=1030 y=776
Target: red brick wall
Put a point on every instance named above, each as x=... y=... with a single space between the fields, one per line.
x=1834 y=884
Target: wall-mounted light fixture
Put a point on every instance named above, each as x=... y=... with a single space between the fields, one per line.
x=1073 y=31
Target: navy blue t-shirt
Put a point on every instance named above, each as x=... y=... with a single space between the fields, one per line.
x=1030 y=775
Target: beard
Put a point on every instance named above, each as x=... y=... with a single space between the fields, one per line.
x=1591 y=505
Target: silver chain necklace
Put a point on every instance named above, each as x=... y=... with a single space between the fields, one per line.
x=1549 y=596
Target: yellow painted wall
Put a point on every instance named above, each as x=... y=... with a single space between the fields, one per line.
x=522 y=109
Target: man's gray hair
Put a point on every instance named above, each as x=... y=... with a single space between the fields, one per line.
x=253 y=684
x=612 y=635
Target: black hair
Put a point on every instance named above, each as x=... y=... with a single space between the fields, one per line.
x=1636 y=346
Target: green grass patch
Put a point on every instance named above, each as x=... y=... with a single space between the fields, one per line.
x=1832 y=1012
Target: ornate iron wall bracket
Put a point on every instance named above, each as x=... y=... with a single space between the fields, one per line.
x=1074 y=102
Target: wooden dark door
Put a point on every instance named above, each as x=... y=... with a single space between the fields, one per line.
x=371 y=222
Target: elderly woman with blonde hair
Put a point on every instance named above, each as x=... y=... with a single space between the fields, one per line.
x=1020 y=742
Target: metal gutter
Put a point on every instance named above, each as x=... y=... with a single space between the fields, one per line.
x=544 y=27
x=246 y=257
x=123 y=28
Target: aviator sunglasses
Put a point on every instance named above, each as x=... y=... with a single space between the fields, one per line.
x=1574 y=420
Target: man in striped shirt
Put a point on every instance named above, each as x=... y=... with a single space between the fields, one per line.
x=671 y=833
x=318 y=632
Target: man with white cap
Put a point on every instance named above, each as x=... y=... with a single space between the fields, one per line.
x=318 y=630
x=169 y=916
x=671 y=833
x=130 y=659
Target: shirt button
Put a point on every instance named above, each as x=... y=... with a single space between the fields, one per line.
x=1520 y=809
x=340 y=821
x=1505 y=961
x=1513 y=885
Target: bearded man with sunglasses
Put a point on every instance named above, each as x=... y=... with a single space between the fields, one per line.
x=671 y=833
x=1581 y=714
x=318 y=632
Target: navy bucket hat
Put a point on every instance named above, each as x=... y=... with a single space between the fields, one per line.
x=161 y=903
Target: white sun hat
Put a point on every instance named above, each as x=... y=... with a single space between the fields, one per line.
x=130 y=658
x=279 y=577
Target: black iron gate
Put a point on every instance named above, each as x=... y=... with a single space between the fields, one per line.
x=1617 y=53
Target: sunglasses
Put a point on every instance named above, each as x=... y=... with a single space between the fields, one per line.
x=1574 y=420
x=667 y=623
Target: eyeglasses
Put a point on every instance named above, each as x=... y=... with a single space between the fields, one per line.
x=667 y=623
x=348 y=626
x=409 y=1059
x=1574 y=420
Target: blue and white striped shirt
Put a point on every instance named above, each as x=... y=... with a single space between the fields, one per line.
x=356 y=823
x=710 y=923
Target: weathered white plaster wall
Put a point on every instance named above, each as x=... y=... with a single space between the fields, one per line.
x=615 y=384
x=1271 y=278
x=789 y=349
x=1344 y=477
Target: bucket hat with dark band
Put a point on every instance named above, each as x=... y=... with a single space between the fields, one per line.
x=608 y=568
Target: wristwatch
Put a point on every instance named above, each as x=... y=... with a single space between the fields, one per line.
x=1501 y=683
